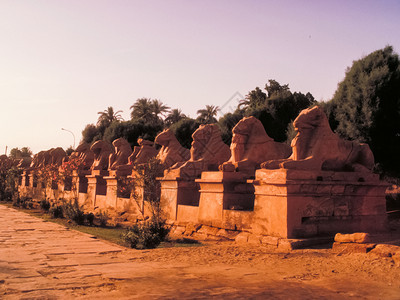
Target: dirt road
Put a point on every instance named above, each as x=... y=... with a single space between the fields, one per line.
x=42 y=260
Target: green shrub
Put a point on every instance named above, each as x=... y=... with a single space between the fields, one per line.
x=24 y=202
x=146 y=235
x=56 y=211
x=45 y=205
x=74 y=212
x=102 y=217
x=89 y=218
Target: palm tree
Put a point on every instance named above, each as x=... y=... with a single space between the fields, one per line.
x=174 y=116
x=142 y=110
x=148 y=110
x=158 y=108
x=207 y=116
x=108 y=116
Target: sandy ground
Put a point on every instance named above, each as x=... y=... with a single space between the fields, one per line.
x=42 y=260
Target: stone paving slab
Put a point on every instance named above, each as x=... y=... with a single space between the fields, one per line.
x=43 y=260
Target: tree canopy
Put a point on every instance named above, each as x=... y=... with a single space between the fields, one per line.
x=366 y=107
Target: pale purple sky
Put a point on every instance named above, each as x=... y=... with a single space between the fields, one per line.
x=62 y=61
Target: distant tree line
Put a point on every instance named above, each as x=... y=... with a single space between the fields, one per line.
x=365 y=108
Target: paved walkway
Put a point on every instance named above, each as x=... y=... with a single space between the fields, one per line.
x=43 y=260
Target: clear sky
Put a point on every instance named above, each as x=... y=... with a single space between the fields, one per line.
x=62 y=61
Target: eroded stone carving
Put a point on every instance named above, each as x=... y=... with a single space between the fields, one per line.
x=171 y=151
x=101 y=151
x=84 y=154
x=251 y=146
x=119 y=159
x=24 y=162
x=57 y=155
x=142 y=153
x=208 y=151
x=316 y=147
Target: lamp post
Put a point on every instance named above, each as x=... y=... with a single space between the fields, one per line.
x=72 y=135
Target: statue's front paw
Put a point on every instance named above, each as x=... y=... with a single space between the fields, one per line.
x=227 y=167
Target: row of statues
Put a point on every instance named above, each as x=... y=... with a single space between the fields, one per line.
x=315 y=147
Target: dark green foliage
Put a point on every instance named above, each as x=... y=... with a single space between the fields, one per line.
x=20 y=153
x=146 y=235
x=23 y=202
x=102 y=218
x=184 y=129
x=89 y=218
x=56 y=211
x=45 y=205
x=275 y=109
x=74 y=212
x=366 y=106
x=131 y=131
x=173 y=117
x=227 y=122
x=207 y=115
x=149 y=111
x=91 y=133
x=108 y=116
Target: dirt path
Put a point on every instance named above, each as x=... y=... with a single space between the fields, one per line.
x=42 y=260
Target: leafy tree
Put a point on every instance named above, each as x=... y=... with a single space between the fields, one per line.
x=184 y=129
x=131 y=131
x=142 y=110
x=207 y=115
x=91 y=133
x=277 y=108
x=159 y=109
x=227 y=122
x=148 y=111
x=173 y=117
x=366 y=105
x=20 y=153
x=274 y=89
x=253 y=99
x=108 y=116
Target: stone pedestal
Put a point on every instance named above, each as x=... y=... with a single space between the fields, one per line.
x=25 y=178
x=180 y=199
x=298 y=204
x=112 y=190
x=96 y=185
x=226 y=200
x=80 y=181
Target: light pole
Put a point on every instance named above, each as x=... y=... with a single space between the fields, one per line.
x=72 y=135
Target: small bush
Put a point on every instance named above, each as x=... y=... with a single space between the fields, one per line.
x=45 y=205
x=24 y=202
x=146 y=235
x=102 y=217
x=74 y=212
x=56 y=211
x=89 y=218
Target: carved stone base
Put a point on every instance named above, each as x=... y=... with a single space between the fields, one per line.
x=179 y=199
x=226 y=200
x=298 y=204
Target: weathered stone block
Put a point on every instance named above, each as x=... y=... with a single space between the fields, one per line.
x=358 y=237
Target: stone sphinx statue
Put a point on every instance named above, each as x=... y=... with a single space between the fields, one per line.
x=316 y=147
x=208 y=151
x=101 y=151
x=24 y=163
x=142 y=153
x=119 y=159
x=84 y=155
x=251 y=146
x=44 y=158
x=171 y=151
x=57 y=156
